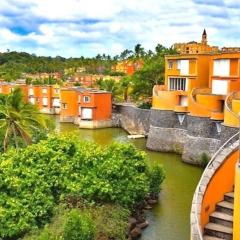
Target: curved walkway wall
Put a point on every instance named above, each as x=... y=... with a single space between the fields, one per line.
x=219 y=172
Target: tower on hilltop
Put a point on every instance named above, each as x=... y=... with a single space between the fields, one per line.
x=204 y=37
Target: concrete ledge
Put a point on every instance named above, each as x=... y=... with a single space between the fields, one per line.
x=94 y=124
x=47 y=110
x=67 y=119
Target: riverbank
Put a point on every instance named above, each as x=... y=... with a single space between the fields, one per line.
x=191 y=137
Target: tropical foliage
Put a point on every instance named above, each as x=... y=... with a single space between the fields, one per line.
x=34 y=180
x=100 y=222
x=20 y=122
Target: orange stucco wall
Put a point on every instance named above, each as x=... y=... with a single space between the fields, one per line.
x=100 y=103
x=69 y=97
x=205 y=105
x=103 y=102
x=167 y=100
x=234 y=73
x=198 y=69
x=221 y=182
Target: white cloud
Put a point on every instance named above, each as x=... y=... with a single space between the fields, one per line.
x=88 y=27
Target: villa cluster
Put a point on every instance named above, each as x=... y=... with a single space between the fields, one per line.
x=89 y=108
x=202 y=85
x=128 y=66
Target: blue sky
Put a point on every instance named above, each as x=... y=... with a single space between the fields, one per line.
x=88 y=27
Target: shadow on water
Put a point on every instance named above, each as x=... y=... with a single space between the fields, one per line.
x=169 y=220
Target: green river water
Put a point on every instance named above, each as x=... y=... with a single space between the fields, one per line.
x=169 y=220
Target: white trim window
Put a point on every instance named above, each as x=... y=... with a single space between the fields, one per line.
x=86 y=99
x=86 y=113
x=32 y=100
x=221 y=67
x=177 y=84
x=31 y=92
x=44 y=90
x=56 y=102
x=219 y=87
x=45 y=102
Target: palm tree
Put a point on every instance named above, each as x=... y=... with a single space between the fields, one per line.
x=19 y=120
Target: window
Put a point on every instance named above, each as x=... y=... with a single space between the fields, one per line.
x=86 y=99
x=64 y=106
x=31 y=92
x=56 y=90
x=45 y=102
x=221 y=67
x=170 y=64
x=178 y=64
x=56 y=102
x=44 y=90
x=177 y=84
x=219 y=87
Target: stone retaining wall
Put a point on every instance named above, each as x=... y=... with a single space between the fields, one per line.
x=134 y=120
x=191 y=138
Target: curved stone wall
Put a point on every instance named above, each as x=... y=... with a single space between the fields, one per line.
x=216 y=163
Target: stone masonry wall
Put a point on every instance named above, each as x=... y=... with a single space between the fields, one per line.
x=134 y=120
x=193 y=137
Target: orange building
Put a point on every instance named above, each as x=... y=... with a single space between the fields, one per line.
x=87 y=107
x=128 y=66
x=6 y=88
x=195 y=47
x=46 y=97
x=222 y=95
x=183 y=73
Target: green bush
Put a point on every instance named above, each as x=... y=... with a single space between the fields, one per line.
x=36 y=179
x=156 y=177
x=109 y=221
x=78 y=227
x=145 y=105
x=204 y=159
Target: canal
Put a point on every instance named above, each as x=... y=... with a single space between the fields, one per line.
x=169 y=220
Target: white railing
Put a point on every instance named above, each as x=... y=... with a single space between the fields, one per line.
x=197 y=192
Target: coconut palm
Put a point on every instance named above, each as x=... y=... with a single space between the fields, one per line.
x=19 y=120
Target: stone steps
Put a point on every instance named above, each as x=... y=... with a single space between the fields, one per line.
x=211 y=238
x=220 y=231
x=220 y=224
x=222 y=219
x=229 y=197
x=225 y=207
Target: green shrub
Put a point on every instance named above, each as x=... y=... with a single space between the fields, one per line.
x=145 y=105
x=204 y=159
x=36 y=179
x=78 y=227
x=156 y=177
